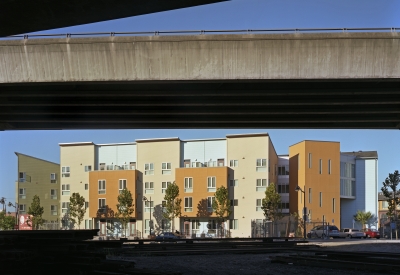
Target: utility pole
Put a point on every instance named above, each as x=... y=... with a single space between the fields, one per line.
x=298 y=188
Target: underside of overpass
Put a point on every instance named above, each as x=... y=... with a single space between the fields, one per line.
x=323 y=104
x=23 y=16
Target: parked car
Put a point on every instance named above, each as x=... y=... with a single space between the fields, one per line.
x=371 y=233
x=351 y=233
x=319 y=231
x=167 y=236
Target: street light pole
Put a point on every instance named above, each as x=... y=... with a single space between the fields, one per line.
x=298 y=188
x=16 y=214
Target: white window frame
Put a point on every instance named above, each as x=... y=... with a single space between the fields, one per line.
x=211 y=184
x=65 y=189
x=258 y=205
x=88 y=168
x=101 y=184
x=53 y=194
x=166 y=168
x=234 y=224
x=261 y=165
x=188 y=203
x=195 y=225
x=164 y=186
x=53 y=210
x=210 y=201
x=121 y=185
x=149 y=187
x=233 y=163
x=102 y=206
x=149 y=168
x=22 y=195
x=148 y=205
x=21 y=208
x=65 y=171
x=188 y=185
x=64 y=207
x=53 y=178
x=261 y=185
x=21 y=176
x=234 y=183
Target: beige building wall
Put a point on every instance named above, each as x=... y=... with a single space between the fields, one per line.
x=37 y=180
x=246 y=149
x=156 y=152
x=77 y=156
x=321 y=183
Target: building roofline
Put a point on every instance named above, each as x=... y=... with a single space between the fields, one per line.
x=157 y=139
x=76 y=143
x=309 y=140
x=362 y=154
x=248 y=135
x=111 y=144
x=17 y=153
x=202 y=139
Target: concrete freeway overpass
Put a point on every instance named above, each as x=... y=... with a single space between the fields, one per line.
x=319 y=80
x=24 y=16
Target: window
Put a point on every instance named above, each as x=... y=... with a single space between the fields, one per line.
x=261 y=165
x=22 y=193
x=166 y=168
x=22 y=176
x=65 y=171
x=164 y=186
x=53 y=194
x=65 y=189
x=233 y=224
x=186 y=163
x=234 y=183
x=210 y=201
x=188 y=204
x=320 y=166
x=258 y=205
x=64 y=207
x=333 y=205
x=86 y=186
x=234 y=163
x=284 y=205
x=122 y=185
x=22 y=208
x=347 y=187
x=261 y=185
x=188 y=185
x=210 y=163
x=329 y=166
x=212 y=224
x=149 y=169
x=102 y=206
x=102 y=186
x=309 y=215
x=88 y=224
x=53 y=178
x=148 y=205
x=234 y=202
x=195 y=224
x=86 y=204
x=309 y=160
x=221 y=162
x=149 y=187
x=88 y=168
x=53 y=210
x=283 y=170
x=309 y=195
x=283 y=188
x=385 y=204
x=211 y=184
x=320 y=199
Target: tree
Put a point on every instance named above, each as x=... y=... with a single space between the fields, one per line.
x=172 y=207
x=35 y=211
x=221 y=205
x=272 y=204
x=125 y=207
x=300 y=224
x=6 y=222
x=363 y=217
x=390 y=191
x=76 y=208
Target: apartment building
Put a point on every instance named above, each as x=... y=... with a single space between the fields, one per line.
x=38 y=177
x=245 y=164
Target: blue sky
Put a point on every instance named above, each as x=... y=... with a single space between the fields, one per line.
x=237 y=14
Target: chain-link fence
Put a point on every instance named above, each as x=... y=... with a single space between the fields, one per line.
x=50 y=226
x=264 y=229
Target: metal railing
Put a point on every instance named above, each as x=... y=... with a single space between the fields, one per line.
x=203 y=32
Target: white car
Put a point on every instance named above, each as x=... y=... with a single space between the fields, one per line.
x=351 y=233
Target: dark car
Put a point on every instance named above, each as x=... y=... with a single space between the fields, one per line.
x=371 y=233
x=167 y=236
x=319 y=231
